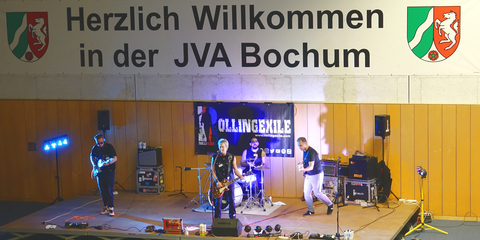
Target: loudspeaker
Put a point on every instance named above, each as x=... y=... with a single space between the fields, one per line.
x=362 y=168
x=103 y=118
x=150 y=157
x=382 y=125
x=223 y=227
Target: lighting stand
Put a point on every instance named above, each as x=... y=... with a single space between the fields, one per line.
x=59 y=198
x=422 y=225
x=181 y=184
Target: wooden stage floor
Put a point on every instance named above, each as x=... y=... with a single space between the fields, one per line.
x=134 y=212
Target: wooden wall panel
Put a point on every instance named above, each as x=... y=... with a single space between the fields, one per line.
x=435 y=154
x=131 y=145
x=118 y=127
x=64 y=158
x=393 y=148
x=75 y=141
x=340 y=130
x=178 y=141
x=88 y=129
x=327 y=124
x=353 y=131
x=367 y=127
x=449 y=160
x=168 y=136
x=32 y=188
x=440 y=138
x=474 y=163
x=463 y=165
x=407 y=166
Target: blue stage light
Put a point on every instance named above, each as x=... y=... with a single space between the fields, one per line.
x=55 y=142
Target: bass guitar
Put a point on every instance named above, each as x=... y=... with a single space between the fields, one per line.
x=218 y=191
x=100 y=163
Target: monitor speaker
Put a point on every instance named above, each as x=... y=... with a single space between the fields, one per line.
x=382 y=125
x=223 y=227
x=103 y=118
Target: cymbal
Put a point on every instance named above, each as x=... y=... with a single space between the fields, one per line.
x=261 y=168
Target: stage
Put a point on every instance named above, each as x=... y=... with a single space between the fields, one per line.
x=134 y=212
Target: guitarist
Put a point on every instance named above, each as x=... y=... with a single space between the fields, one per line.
x=224 y=167
x=105 y=152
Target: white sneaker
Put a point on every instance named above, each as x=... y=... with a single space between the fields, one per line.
x=104 y=211
x=111 y=212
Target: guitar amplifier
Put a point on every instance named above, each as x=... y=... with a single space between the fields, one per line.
x=330 y=168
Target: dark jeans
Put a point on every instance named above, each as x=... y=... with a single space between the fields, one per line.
x=105 y=182
x=232 y=213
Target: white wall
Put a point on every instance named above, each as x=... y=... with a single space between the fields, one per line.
x=251 y=88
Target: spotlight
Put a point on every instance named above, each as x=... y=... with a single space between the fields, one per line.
x=54 y=145
x=278 y=228
x=258 y=229
x=65 y=142
x=46 y=148
x=422 y=172
x=247 y=228
x=59 y=143
x=268 y=228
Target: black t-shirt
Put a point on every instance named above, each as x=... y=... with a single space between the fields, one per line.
x=312 y=155
x=103 y=153
x=251 y=155
x=223 y=166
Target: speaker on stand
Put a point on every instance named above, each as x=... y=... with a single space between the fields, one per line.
x=382 y=129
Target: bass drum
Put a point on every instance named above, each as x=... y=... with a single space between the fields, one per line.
x=237 y=196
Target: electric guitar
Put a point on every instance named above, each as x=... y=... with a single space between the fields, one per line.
x=100 y=163
x=219 y=191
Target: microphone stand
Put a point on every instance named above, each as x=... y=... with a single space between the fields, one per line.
x=337 y=235
x=181 y=184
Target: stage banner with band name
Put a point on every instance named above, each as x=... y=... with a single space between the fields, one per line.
x=271 y=123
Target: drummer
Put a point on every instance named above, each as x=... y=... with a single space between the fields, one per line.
x=254 y=157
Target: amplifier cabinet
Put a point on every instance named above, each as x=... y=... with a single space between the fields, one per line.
x=360 y=192
x=150 y=180
x=150 y=157
x=362 y=168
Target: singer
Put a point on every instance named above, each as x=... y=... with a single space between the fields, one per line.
x=313 y=173
x=224 y=168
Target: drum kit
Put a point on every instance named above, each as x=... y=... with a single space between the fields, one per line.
x=255 y=198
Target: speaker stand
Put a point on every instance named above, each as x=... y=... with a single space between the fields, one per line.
x=383 y=158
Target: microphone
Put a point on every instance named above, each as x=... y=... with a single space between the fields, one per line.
x=187 y=168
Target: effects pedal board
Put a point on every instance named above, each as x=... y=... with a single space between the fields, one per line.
x=321 y=236
x=76 y=225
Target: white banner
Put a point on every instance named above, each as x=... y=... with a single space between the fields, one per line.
x=343 y=37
